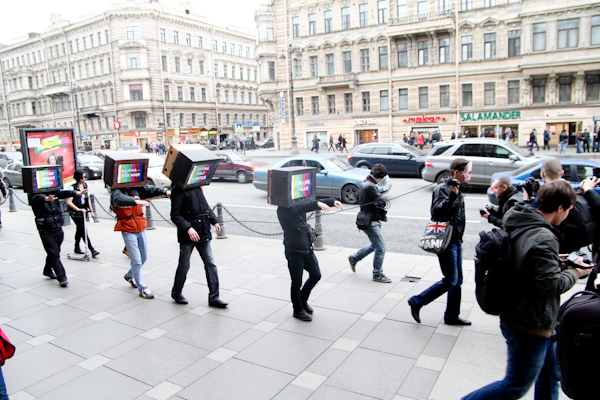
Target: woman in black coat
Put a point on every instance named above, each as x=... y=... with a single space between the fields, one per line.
x=79 y=206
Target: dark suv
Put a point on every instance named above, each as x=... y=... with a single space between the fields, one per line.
x=399 y=159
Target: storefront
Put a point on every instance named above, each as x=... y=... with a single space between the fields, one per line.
x=427 y=125
x=499 y=124
x=366 y=132
x=321 y=135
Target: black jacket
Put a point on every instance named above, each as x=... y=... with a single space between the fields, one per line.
x=448 y=206
x=189 y=209
x=81 y=202
x=293 y=222
x=507 y=201
x=371 y=200
x=126 y=197
x=48 y=214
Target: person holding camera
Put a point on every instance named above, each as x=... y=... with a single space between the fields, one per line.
x=541 y=277
x=448 y=205
x=508 y=196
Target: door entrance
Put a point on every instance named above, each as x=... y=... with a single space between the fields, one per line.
x=367 y=136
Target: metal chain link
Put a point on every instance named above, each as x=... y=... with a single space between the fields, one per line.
x=17 y=197
x=247 y=227
x=109 y=212
x=162 y=216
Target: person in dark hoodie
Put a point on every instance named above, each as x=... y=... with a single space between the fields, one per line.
x=540 y=279
x=508 y=196
x=299 y=251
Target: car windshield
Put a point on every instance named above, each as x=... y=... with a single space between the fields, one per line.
x=14 y=155
x=238 y=157
x=519 y=171
x=155 y=161
x=337 y=164
x=517 y=150
x=413 y=149
x=89 y=159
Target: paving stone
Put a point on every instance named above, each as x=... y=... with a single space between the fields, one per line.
x=308 y=380
x=328 y=362
x=292 y=392
x=439 y=345
x=54 y=381
x=48 y=319
x=149 y=314
x=360 y=330
x=385 y=338
x=491 y=350
x=94 y=362
x=100 y=300
x=245 y=339
x=195 y=371
x=418 y=383
x=163 y=391
x=252 y=308
x=221 y=354
x=347 y=300
x=327 y=324
x=458 y=379
x=326 y=392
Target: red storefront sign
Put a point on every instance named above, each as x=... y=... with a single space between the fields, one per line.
x=424 y=118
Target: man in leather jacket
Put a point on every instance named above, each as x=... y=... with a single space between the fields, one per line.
x=193 y=216
x=508 y=196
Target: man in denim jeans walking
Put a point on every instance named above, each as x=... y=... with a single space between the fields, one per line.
x=373 y=203
x=448 y=205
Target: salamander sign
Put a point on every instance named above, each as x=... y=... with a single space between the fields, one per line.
x=490 y=116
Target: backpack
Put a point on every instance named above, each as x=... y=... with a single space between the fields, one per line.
x=579 y=228
x=578 y=345
x=495 y=275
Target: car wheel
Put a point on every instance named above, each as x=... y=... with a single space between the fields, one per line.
x=8 y=184
x=149 y=182
x=350 y=194
x=420 y=173
x=242 y=177
x=363 y=166
x=442 y=176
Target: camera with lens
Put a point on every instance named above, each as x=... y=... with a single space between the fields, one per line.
x=453 y=182
x=574 y=256
x=489 y=209
x=531 y=186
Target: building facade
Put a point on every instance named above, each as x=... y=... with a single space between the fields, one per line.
x=376 y=70
x=165 y=75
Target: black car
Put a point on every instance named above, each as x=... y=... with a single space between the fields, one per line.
x=92 y=165
x=265 y=143
x=399 y=159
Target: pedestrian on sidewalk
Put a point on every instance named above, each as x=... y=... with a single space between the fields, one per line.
x=343 y=145
x=546 y=140
x=299 y=251
x=596 y=142
x=49 y=221
x=420 y=141
x=315 y=143
x=331 y=144
x=448 y=205
x=373 y=203
x=579 y=142
x=193 y=216
x=127 y=203
x=562 y=145
x=80 y=206
x=586 y=141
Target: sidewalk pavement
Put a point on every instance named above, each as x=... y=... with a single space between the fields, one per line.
x=97 y=339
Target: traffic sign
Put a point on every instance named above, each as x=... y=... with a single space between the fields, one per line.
x=159 y=130
x=239 y=127
x=117 y=125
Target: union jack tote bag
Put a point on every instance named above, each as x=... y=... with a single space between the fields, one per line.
x=436 y=237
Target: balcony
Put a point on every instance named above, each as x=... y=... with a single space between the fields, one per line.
x=421 y=23
x=336 y=81
x=56 y=89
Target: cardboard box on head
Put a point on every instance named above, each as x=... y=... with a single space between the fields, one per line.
x=190 y=166
x=125 y=170
x=42 y=178
x=291 y=185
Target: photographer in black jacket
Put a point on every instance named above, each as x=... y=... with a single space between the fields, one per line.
x=508 y=196
x=299 y=251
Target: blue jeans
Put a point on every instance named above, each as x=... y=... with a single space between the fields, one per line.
x=212 y=278
x=377 y=245
x=562 y=147
x=530 y=359
x=3 y=391
x=579 y=146
x=137 y=247
x=451 y=265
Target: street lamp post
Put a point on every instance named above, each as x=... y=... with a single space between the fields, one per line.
x=292 y=105
x=74 y=94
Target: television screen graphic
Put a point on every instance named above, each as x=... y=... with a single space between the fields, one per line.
x=46 y=178
x=301 y=186
x=128 y=173
x=199 y=174
x=51 y=147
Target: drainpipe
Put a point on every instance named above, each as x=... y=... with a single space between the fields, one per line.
x=390 y=94
x=162 y=80
x=112 y=72
x=2 y=82
x=48 y=77
x=457 y=55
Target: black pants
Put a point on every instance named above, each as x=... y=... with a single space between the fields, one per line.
x=52 y=241
x=546 y=144
x=297 y=263
x=80 y=232
x=212 y=276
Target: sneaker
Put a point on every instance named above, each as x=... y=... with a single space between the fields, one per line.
x=95 y=253
x=130 y=280
x=63 y=281
x=146 y=293
x=352 y=263
x=382 y=278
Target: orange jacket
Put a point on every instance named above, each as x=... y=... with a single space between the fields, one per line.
x=130 y=219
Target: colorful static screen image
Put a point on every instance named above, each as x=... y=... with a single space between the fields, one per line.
x=301 y=186
x=128 y=173
x=52 y=148
x=46 y=178
x=199 y=174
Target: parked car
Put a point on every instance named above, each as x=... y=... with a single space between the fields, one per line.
x=9 y=157
x=99 y=153
x=576 y=170
x=398 y=158
x=265 y=143
x=235 y=165
x=335 y=177
x=92 y=165
x=488 y=156
x=130 y=149
x=155 y=168
x=12 y=174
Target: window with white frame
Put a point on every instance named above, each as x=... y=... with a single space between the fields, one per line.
x=345 y=18
x=331 y=103
x=188 y=40
x=383 y=58
x=402 y=9
x=347 y=61
x=489 y=89
x=136 y=92
x=539 y=37
x=514 y=89
x=348 y=103
x=403 y=99
x=595 y=31
x=422 y=7
x=382 y=12
x=365 y=61
x=423 y=52
x=444 y=5
x=328 y=20
x=314 y=66
x=565 y=87
x=467 y=94
x=384 y=100
x=297 y=68
x=568 y=33
x=539 y=90
x=133 y=32
x=363 y=15
x=329 y=65
x=312 y=24
x=514 y=43
x=402 y=55
x=444 y=44
x=366 y=101
x=489 y=3
x=444 y=96
x=299 y=106
x=466 y=5
x=423 y=97
x=489 y=46
x=175 y=37
x=466 y=48
x=133 y=61
x=296 y=27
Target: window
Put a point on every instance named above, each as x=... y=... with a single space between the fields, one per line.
x=594 y=40
x=180 y=93
x=226 y=96
x=192 y=96
x=347 y=61
x=312 y=24
x=297 y=68
x=366 y=101
x=232 y=72
x=539 y=90
x=299 y=106
x=175 y=37
x=348 y=102
x=232 y=49
x=469 y=150
x=564 y=88
x=382 y=12
x=444 y=50
x=164 y=63
x=270 y=31
x=466 y=48
x=568 y=33
x=203 y=94
x=445 y=96
x=403 y=99
x=167 y=94
x=328 y=19
x=296 y=26
x=201 y=66
x=329 y=66
x=189 y=64
x=314 y=105
x=383 y=58
x=163 y=35
x=422 y=50
x=365 y=63
x=513 y=92
x=193 y=119
x=539 y=37
x=489 y=3
x=466 y=5
x=514 y=43
x=345 y=18
x=402 y=55
x=177 y=64
x=215 y=46
x=133 y=61
x=199 y=42
x=363 y=15
x=331 y=103
x=234 y=97
x=140 y=120
x=402 y=9
x=272 y=71
x=423 y=97
x=135 y=92
x=422 y=7
x=592 y=87
x=489 y=89
x=224 y=47
x=384 y=100
x=467 y=94
x=205 y=119
x=133 y=32
x=188 y=40
x=489 y=46
x=85 y=46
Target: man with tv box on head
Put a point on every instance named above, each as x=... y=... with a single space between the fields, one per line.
x=44 y=183
x=292 y=189
x=126 y=175
x=189 y=169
